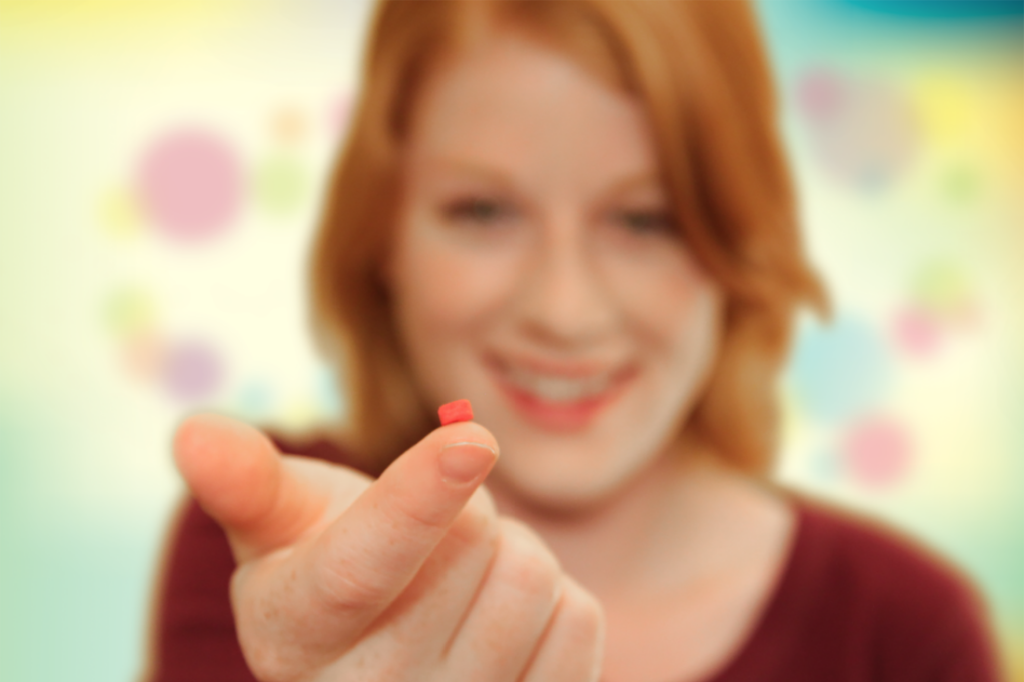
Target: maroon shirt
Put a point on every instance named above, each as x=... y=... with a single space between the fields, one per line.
x=854 y=603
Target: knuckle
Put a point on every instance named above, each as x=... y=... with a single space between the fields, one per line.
x=477 y=523
x=403 y=513
x=525 y=562
x=347 y=590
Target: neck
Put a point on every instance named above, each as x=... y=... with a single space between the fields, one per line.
x=641 y=535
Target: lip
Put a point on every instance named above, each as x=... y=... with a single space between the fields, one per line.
x=563 y=417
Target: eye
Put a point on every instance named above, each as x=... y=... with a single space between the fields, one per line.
x=477 y=210
x=642 y=222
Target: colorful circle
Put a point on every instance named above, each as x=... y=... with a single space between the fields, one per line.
x=256 y=401
x=191 y=370
x=328 y=394
x=142 y=355
x=120 y=214
x=338 y=113
x=820 y=95
x=838 y=370
x=190 y=184
x=289 y=126
x=280 y=185
x=942 y=288
x=876 y=451
x=916 y=332
x=864 y=133
x=961 y=184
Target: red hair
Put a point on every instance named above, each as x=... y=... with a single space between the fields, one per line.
x=700 y=71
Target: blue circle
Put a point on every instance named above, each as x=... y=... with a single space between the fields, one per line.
x=839 y=370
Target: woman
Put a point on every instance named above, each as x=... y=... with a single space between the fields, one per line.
x=578 y=215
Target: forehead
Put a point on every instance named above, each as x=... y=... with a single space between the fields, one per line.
x=518 y=108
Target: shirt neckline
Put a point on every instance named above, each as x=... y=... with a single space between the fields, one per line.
x=771 y=610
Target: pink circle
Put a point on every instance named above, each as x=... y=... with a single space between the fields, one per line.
x=876 y=451
x=916 y=332
x=864 y=132
x=190 y=184
x=191 y=370
x=821 y=95
x=338 y=113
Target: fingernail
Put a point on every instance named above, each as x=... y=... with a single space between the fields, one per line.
x=463 y=463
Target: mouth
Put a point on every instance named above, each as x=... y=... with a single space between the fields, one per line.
x=560 y=397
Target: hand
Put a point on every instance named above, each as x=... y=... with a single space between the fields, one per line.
x=413 y=576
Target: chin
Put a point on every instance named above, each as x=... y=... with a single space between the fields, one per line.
x=560 y=490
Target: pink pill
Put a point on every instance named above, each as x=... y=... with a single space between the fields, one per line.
x=458 y=411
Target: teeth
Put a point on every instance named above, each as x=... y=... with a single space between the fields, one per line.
x=555 y=388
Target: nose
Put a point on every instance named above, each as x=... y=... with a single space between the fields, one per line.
x=562 y=299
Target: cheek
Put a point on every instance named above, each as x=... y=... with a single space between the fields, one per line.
x=688 y=333
x=669 y=300
x=681 y=332
x=690 y=339
x=445 y=289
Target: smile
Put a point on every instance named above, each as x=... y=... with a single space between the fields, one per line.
x=560 y=398
x=558 y=389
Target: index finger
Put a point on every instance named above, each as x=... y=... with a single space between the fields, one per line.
x=364 y=560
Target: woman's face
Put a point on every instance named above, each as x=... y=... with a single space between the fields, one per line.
x=535 y=271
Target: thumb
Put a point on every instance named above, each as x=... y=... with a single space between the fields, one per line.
x=238 y=477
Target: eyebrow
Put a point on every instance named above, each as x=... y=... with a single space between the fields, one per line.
x=470 y=168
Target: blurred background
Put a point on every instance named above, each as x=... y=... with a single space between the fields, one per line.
x=161 y=168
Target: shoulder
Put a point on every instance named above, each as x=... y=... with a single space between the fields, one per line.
x=917 y=613
x=878 y=560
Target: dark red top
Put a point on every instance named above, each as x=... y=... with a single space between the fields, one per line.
x=855 y=603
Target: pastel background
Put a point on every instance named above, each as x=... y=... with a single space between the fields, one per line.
x=161 y=168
